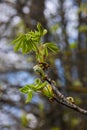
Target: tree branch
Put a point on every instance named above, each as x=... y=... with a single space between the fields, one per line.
x=60 y=98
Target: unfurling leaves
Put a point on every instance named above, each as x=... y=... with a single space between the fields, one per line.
x=41 y=30
x=24 y=89
x=29 y=91
x=23 y=43
x=37 y=86
x=47 y=91
x=32 y=41
x=29 y=96
x=52 y=47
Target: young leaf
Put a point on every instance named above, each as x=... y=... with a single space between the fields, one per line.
x=18 y=43
x=35 y=46
x=29 y=45
x=17 y=46
x=23 y=46
x=41 y=86
x=33 y=36
x=52 y=47
x=20 y=37
x=45 y=52
x=38 y=81
x=29 y=96
x=24 y=89
x=47 y=91
x=40 y=28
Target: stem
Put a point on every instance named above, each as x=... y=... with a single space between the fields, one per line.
x=60 y=98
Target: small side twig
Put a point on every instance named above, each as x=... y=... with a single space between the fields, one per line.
x=60 y=98
x=72 y=106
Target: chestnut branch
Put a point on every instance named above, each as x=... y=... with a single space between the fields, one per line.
x=60 y=98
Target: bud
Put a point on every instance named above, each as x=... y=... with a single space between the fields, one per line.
x=70 y=99
x=39 y=70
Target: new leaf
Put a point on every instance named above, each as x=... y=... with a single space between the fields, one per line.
x=52 y=47
x=29 y=96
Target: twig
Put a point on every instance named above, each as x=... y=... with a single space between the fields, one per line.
x=60 y=98
x=72 y=106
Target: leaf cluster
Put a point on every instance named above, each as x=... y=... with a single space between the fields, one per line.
x=37 y=86
x=32 y=41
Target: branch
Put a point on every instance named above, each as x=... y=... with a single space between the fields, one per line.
x=60 y=98
x=72 y=106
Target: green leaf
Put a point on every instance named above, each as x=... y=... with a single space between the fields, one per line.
x=18 y=43
x=27 y=42
x=38 y=81
x=29 y=96
x=40 y=28
x=52 y=47
x=39 y=87
x=47 y=91
x=45 y=52
x=29 y=45
x=17 y=46
x=35 y=46
x=24 y=89
x=23 y=46
x=34 y=36
x=20 y=37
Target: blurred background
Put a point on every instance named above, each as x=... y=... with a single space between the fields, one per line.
x=66 y=21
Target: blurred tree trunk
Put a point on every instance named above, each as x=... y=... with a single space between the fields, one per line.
x=37 y=12
x=65 y=59
x=82 y=38
x=63 y=25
